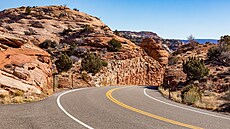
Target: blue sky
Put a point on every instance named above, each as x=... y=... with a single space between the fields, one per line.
x=168 y=18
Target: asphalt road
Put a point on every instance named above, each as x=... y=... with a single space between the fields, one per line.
x=109 y=108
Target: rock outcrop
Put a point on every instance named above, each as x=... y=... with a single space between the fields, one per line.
x=214 y=88
x=136 y=37
x=155 y=50
x=24 y=66
x=134 y=71
x=57 y=29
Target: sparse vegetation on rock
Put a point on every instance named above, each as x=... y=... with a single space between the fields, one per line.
x=30 y=32
x=114 y=45
x=87 y=29
x=47 y=44
x=67 y=31
x=28 y=10
x=221 y=52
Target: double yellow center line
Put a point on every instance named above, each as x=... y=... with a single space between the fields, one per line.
x=111 y=98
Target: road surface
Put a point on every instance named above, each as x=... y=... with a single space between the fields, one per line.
x=109 y=108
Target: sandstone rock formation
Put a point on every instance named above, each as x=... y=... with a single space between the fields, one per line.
x=155 y=50
x=56 y=29
x=136 y=37
x=23 y=66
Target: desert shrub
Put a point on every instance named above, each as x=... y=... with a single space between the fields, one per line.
x=71 y=50
x=66 y=31
x=37 y=24
x=195 y=69
x=213 y=53
x=221 y=53
x=28 y=10
x=190 y=94
x=18 y=93
x=84 y=76
x=2 y=95
x=47 y=44
x=104 y=27
x=116 y=32
x=225 y=58
x=114 y=45
x=64 y=63
x=30 y=32
x=92 y=63
x=104 y=63
x=87 y=29
x=75 y=9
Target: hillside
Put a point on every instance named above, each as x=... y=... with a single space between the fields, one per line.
x=65 y=33
x=209 y=92
x=137 y=37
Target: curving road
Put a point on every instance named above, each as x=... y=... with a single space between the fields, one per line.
x=109 y=108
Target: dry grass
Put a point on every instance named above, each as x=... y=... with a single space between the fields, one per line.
x=211 y=102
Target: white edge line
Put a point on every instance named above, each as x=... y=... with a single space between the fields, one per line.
x=68 y=114
x=184 y=107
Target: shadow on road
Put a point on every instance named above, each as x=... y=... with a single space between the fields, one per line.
x=152 y=87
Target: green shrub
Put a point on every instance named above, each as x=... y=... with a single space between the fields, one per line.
x=114 y=45
x=47 y=44
x=64 y=63
x=75 y=9
x=28 y=10
x=195 y=69
x=104 y=63
x=87 y=29
x=213 y=53
x=71 y=50
x=66 y=31
x=190 y=94
x=116 y=32
x=92 y=63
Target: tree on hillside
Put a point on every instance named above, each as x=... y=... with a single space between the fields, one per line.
x=64 y=63
x=195 y=69
x=191 y=38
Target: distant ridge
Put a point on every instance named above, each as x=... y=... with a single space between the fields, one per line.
x=203 y=41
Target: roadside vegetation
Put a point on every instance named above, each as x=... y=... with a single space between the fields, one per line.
x=64 y=63
x=195 y=69
x=92 y=63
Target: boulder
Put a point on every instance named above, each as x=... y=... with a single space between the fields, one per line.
x=155 y=50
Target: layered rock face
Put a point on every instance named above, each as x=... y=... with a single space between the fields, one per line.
x=155 y=50
x=64 y=27
x=134 y=71
x=23 y=66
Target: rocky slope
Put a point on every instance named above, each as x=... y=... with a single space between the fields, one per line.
x=24 y=70
x=136 y=37
x=213 y=89
x=57 y=29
